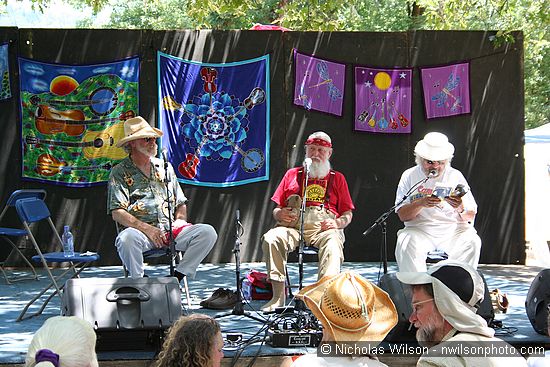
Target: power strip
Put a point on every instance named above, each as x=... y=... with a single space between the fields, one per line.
x=290 y=338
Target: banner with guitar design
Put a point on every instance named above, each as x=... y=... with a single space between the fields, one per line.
x=5 y=90
x=318 y=84
x=383 y=100
x=446 y=90
x=73 y=116
x=215 y=119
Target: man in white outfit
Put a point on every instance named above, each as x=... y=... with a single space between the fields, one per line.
x=438 y=210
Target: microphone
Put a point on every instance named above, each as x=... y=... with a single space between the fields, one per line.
x=238 y=215
x=307 y=163
x=164 y=153
x=433 y=173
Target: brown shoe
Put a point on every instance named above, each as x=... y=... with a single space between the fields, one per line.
x=227 y=300
x=218 y=292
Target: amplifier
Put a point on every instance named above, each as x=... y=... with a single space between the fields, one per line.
x=290 y=338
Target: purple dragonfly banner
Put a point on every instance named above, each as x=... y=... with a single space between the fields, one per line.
x=446 y=90
x=215 y=120
x=383 y=100
x=318 y=84
x=72 y=117
x=5 y=91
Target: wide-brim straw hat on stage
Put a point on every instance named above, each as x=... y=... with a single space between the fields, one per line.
x=350 y=308
x=435 y=147
x=137 y=128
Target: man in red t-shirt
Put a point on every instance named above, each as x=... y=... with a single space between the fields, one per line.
x=328 y=211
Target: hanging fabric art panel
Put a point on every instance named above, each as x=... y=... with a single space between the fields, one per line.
x=318 y=84
x=72 y=116
x=446 y=90
x=5 y=90
x=383 y=100
x=215 y=120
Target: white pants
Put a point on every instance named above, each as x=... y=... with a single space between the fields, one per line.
x=413 y=245
x=196 y=240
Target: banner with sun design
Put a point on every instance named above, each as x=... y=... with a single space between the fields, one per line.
x=5 y=90
x=73 y=116
x=383 y=100
x=318 y=84
x=215 y=120
x=446 y=90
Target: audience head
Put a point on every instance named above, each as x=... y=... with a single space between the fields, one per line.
x=350 y=308
x=193 y=341
x=63 y=341
x=446 y=297
x=434 y=152
x=318 y=148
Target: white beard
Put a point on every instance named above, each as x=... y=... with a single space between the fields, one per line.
x=319 y=169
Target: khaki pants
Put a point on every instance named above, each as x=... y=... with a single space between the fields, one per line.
x=279 y=241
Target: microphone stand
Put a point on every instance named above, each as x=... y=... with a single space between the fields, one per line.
x=298 y=303
x=238 y=309
x=381 y=222
x=171 y=239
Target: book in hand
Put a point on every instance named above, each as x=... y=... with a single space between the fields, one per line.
x=441 y=191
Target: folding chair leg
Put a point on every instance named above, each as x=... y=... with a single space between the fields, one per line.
x=187 y=295
x=14 y=279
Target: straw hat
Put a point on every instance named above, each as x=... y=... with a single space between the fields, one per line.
x=435 y=147
x=137 y=128
x=350 y=308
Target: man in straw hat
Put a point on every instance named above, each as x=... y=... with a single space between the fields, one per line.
x=440 y=211
x=137 y=200
x=328 y=211
x=444 y=303
x=352 y=310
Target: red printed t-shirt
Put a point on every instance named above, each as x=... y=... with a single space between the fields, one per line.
x=339 y=197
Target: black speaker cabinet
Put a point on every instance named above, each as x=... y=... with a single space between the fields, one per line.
x=538 y=301
x=401 y=295
x=135 y=311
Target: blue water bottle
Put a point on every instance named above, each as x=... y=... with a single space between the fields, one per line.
x=68 y=242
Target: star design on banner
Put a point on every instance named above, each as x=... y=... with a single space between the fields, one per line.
x=402 y=75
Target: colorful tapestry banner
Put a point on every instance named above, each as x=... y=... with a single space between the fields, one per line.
x=446 y=90
x=73 y=116
x=5 y=90
x=318 y=84
x=383 y=100
x=215 y=120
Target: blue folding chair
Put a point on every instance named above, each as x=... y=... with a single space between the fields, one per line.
x=6 y=233
x=33 y=210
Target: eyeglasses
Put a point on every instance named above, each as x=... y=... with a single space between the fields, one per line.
x=434 y=162
x=148 y=140
x=415 y=309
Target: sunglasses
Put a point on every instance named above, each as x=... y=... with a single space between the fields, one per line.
x=148 y=140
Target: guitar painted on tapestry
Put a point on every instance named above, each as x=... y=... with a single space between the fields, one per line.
x=95 y=144
x=48 y=120
x=102 y=101
x=188 y=168
x=48 y=165
x=209 y=75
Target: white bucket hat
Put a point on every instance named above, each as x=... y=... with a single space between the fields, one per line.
x=137 y=128
x=458 y=291
x=435 y=147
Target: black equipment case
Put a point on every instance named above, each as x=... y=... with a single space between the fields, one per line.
x=134 y=311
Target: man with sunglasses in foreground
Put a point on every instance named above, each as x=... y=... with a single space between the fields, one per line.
x=137 y=201
x=438 y=211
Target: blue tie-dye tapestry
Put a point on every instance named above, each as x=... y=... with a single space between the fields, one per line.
x=215 y=120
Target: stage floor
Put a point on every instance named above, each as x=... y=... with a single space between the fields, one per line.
x=15 y=336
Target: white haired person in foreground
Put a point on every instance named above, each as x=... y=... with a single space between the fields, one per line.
x=354 y=312
x=444 y=305
x=439 y=211
x=63 y=341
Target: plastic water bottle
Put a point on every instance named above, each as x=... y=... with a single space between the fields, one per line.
x=68 y=242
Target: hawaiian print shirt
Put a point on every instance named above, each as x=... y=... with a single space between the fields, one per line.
x=144 y=197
